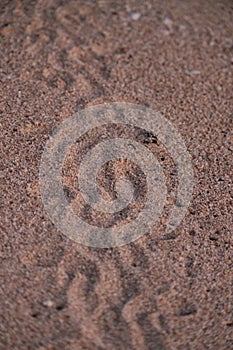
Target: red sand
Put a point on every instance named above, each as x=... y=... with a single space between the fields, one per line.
x=160 y=292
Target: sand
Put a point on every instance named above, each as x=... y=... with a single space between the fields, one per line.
x=161 y=291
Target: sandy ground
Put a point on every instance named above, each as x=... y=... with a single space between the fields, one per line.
x=162 y=291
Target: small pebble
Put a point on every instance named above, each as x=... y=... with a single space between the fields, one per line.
x=135 y=16
x=168 y=22
x=194 y=72
x=48 y=303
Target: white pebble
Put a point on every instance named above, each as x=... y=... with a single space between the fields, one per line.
x=48 y=303
x=168 y=22
x=194 y=72
x=135 y=16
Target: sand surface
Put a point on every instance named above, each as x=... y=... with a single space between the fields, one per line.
x=161 y=292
